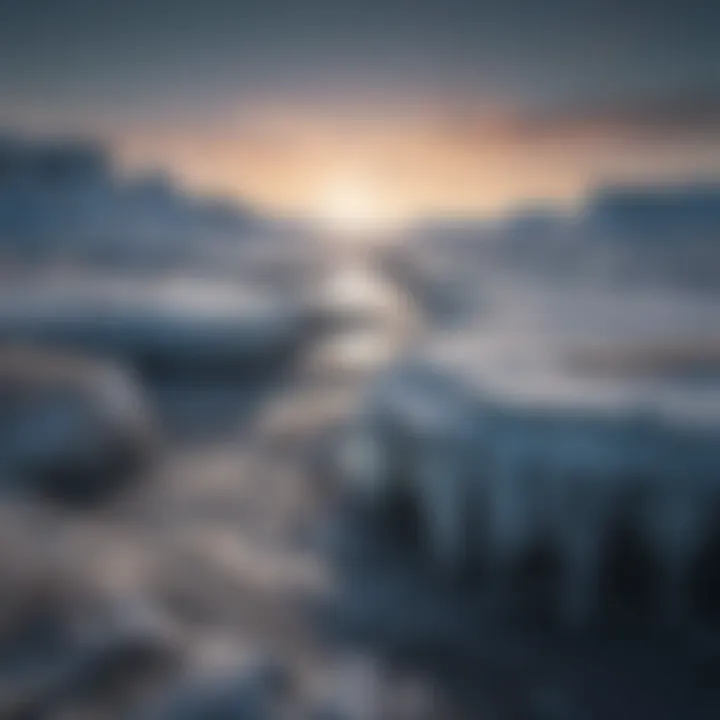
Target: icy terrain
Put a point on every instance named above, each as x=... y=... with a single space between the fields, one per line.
x=554 y=413
x=511 y=392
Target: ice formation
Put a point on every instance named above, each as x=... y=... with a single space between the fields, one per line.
x=508 y=442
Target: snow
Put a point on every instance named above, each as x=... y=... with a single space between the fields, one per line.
x=594 y=349
x=175 y=321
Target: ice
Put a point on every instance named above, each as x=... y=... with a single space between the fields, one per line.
x=564 y=416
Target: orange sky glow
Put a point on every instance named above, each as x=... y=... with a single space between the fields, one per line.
x=400 y=166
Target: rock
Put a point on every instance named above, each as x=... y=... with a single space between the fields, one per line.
x=71 y=429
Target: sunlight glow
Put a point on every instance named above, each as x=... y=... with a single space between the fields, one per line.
x=351 y=209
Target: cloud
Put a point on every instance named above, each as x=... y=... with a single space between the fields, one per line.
x=687 y=117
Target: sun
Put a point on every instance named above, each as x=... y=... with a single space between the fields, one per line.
x=351 y=209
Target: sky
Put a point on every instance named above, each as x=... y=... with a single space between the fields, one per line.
x=391 y=108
